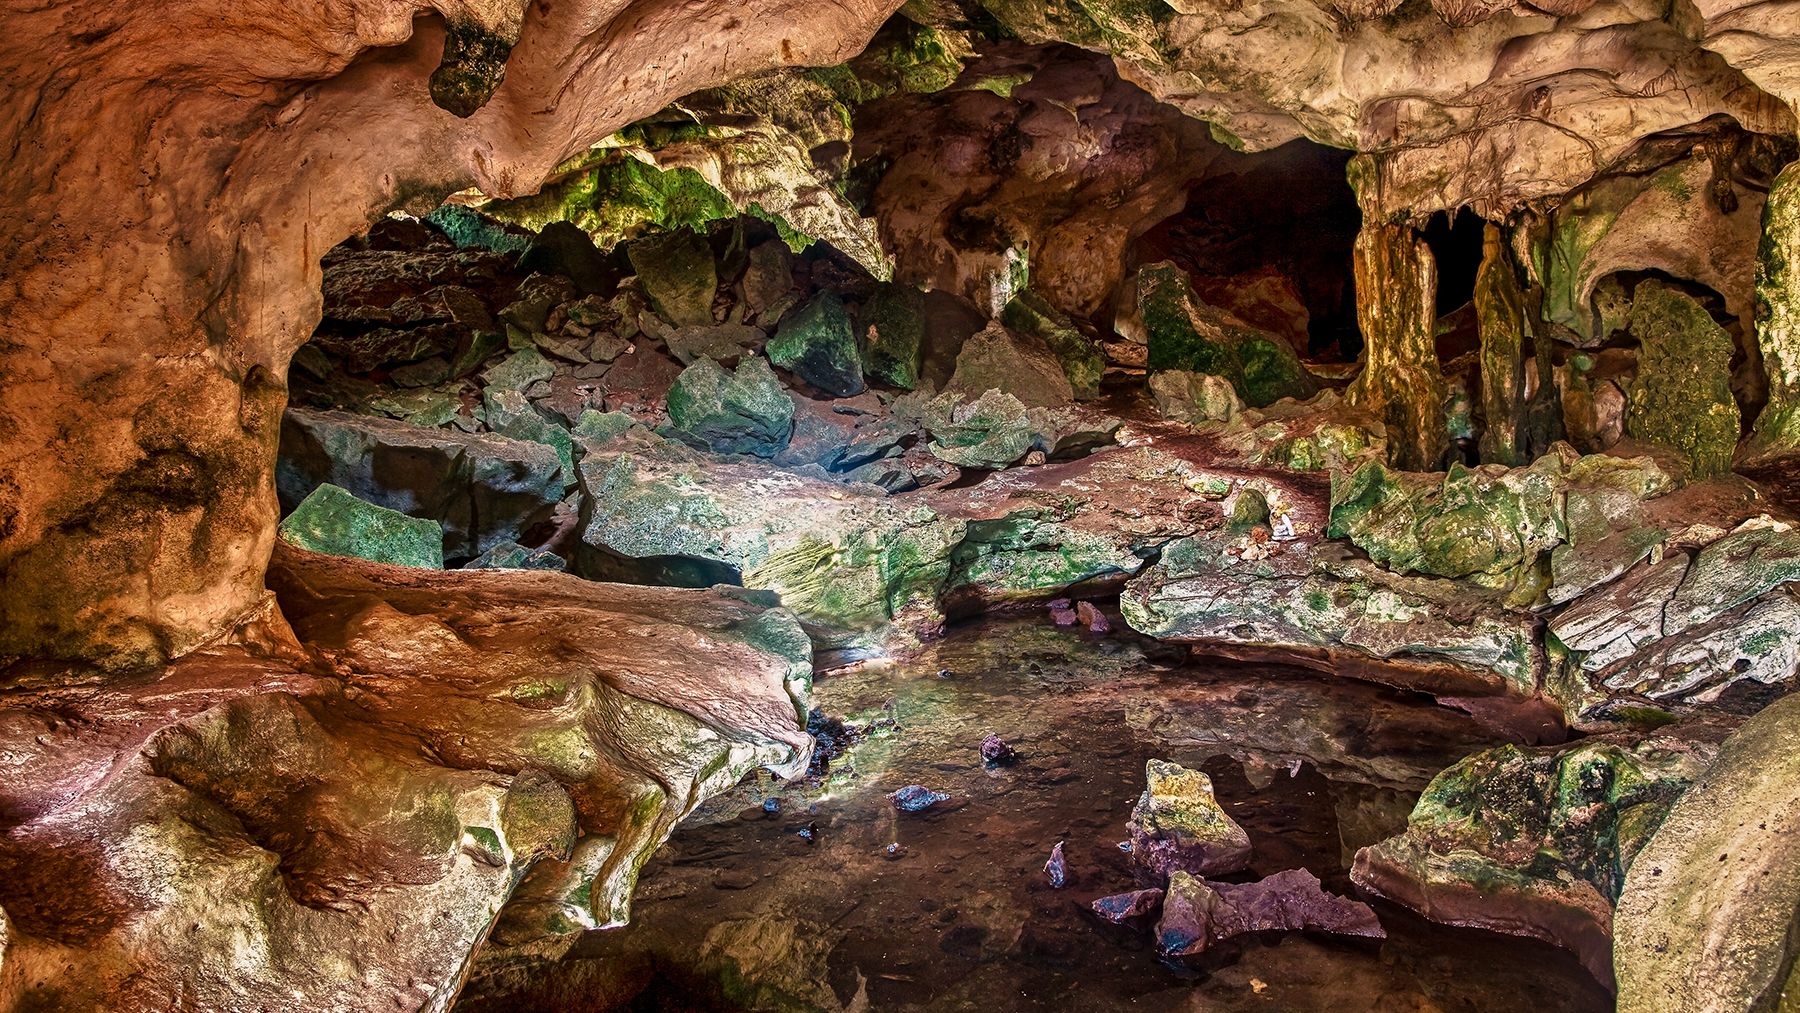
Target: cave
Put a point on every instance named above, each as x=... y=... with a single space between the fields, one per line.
x=683 y=505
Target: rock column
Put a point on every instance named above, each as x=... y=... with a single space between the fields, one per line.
x=1778 y=319
x=1401 y=381
x=1500 y=314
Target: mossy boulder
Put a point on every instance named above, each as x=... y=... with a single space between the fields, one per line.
x=1081 y=359
x=678 y=275
x=892 y=326
x=741 y=412
x=1491 y=525
x=1681 y=396
x=1535 y=842
x=817 y=344
x=1182 y=332
x=332 y=521
x=1778 y=318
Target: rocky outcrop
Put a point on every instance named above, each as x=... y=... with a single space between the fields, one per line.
x=1183 y=333
x=482 y=487
x=439 y=760
x=334 y=522
x=175 y=274
x=1536 y=842
x=1706 y=918
x=1197 y=915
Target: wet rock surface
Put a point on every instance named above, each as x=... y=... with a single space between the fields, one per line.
x=964 y=912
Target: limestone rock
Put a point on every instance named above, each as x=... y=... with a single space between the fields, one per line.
x=1023 y=367
x=1681 y=397
x=1705 y=921
x=1196 y=915
x=1487 y=524
x=483 y=488
x=817 y=344
x=1178 y=827
x=1186 y=334
x=1190 y=397
x=513 y=556
x=678 y=276
x=1082 y=362
x=892 y=324
x=515 y=747
x=1535 y=842
x=1778 y=319
x=1328 y=609
x=725 y=344
x=742 y=412
x=845 y=559
x=333 y=521
x=1401 y=382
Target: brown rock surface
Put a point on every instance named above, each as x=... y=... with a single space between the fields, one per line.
x=174 y=175
x=335 y=822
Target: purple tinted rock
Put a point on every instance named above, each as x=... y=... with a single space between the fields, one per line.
x=1091 y=617
x=1197 y=914
x=1056 y=868
x=917 y=798
x=1178 y=824
x=995 y=752
x=1121 y=907
x=1063 y=616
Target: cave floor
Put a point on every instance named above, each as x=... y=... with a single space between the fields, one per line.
x=741 y=911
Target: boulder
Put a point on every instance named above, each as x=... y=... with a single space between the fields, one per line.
x=513 y=556
x=1186 y=334
x=852 y=564
x=1178 y=826
x=742 y=412
x=725 y=344
x=1681 y=397
x=767 y=287
x=817 y=344
x=998 y=359
x=1489 y=524
x=892 y=327
x=1122 y=907
x=332 y=521
x=1536 y=842
x=1184 y=396
x=678 y=275
x=563 y=248
x=1197 y=915
x=1080 y=357
x=483 y=488
x=1706 y=920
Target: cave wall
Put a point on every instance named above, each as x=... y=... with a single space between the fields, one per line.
x=173 y=176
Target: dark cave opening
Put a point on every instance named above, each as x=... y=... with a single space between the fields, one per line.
x=1270 y=236
x=1455 y=241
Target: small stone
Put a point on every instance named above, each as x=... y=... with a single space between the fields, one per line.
x=917 y=798
x=1091 y=617
x=1057 y=868
x=809 y=833
x=771 y=805
x=1122 y=907
x=894 y=851
x=996 y=753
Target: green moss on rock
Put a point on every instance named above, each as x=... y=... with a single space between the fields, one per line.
x=1681 y=397
x=332 y=521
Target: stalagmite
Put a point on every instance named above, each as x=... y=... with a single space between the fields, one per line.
x=1401 y=381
